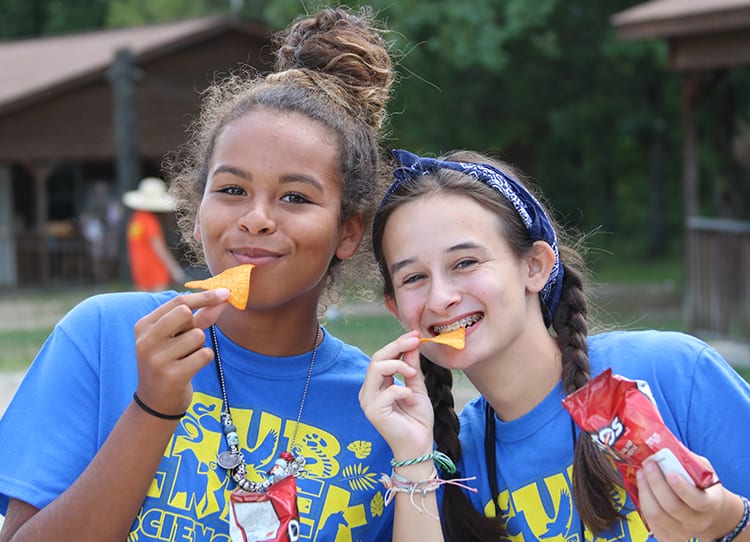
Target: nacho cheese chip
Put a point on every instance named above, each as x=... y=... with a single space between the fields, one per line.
x=455 y=339
x=236 y=279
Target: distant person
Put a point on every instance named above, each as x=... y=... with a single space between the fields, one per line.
x=461 y=242
x=152 y=265
x=100 y=226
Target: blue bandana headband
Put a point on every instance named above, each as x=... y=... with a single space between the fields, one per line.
x=525 y=204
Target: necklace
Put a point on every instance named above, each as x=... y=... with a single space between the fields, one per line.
x=289 y=463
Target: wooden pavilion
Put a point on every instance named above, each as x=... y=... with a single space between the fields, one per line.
x=705 y=38
x=66 y=124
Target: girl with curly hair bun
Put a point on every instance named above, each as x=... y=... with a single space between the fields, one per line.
x=176 y=416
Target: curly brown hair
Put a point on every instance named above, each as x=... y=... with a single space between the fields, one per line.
x=334 y=68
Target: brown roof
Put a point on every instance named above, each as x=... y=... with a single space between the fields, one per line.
x=672 y=18
x=32 y=68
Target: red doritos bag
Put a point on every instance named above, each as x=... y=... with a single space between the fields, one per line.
x=621 y=416
x=265 y=517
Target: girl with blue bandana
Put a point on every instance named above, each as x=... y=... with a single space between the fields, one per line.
x=462 y=243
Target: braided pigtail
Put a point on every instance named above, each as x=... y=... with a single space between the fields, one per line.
x=594 y=478
x=460 y=520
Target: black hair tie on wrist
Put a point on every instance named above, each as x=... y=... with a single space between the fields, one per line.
x=153 y=412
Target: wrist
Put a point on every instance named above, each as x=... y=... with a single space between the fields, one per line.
x=432 y=461
x=417 y=471
x=735 y=520
x=155 y=413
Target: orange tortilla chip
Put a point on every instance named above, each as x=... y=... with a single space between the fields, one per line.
x=236 y=279
x=455 y=339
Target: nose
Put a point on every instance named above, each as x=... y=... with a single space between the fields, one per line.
x=442 y=295
x=258 y=218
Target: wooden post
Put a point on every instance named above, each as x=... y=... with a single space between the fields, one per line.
x=41 y=171
x=691 y=89
x=8 y=267
x=123 y=75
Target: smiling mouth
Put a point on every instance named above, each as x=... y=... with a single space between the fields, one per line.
x=255 y=254
x=463 y=322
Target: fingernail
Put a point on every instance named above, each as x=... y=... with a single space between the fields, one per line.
x=222 y=293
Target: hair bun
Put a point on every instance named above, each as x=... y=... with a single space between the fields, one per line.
x=346 y=48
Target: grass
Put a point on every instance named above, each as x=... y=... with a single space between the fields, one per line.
x=369 y=333
x=614 y=269
x=18 y=348
x=650 y=300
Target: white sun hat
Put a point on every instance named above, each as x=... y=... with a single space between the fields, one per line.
x=150 y=196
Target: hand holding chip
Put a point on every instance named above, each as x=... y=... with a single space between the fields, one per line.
x=169 y=344
x=170 y=340
x=401 y=412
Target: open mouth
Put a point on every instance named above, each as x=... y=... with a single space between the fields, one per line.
x=466 y=322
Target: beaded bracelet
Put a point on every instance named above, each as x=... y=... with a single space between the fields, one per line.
x=442 y=460
x=741 y=526
x=395 y=483
x=153 y=412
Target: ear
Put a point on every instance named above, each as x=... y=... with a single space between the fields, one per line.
x=197 y=227
x=352 y=231
x=540 y=262
x=390 y=304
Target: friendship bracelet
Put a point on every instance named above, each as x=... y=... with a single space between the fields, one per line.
x=741 y=526
x=442 y=460
x=153 y=412
x=395 y=483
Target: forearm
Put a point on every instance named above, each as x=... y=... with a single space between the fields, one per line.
x=104 y=501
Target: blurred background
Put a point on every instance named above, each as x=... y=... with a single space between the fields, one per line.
x=633 y=117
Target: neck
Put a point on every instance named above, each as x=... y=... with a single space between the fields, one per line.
x=289 y=334
x=518 y=382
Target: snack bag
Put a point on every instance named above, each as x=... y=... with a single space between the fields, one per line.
x=621 y=416
x=270 y=516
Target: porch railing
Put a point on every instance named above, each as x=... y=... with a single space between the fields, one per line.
x=717 y=293
x=43 y=261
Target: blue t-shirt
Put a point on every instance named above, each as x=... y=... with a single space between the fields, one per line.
x=84 y=377
x=702 y=400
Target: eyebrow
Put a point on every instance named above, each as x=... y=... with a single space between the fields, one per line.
x=397 y=266
x=293 y=178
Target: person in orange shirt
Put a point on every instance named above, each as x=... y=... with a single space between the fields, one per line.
x=152 y=265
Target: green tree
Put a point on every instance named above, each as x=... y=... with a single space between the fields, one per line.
x=134 y=12
x=27 y=18
x=546 y=85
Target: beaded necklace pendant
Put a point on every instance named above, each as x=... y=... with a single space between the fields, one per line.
x=231 y=460
x=264 y=511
